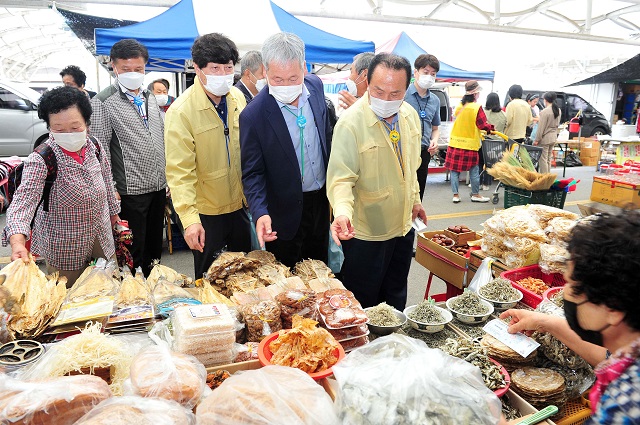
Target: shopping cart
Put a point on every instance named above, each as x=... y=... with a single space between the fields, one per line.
x=492 y=150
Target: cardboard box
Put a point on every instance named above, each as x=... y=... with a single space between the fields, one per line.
x=596 y=207
x=612 y=192
x=523 y=406
x=442 y=262
x=476 y=259
x=461 y=238
x=589 y=161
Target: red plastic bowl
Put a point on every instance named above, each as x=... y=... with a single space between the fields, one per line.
x=507 y=380
x=551 y=292
x=265 y=354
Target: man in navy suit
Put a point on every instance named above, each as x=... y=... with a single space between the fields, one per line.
x=285 y=140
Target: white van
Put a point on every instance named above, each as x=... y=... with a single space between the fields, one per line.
x=20 y=128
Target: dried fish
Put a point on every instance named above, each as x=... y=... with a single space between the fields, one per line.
x=469 y=303
x=473 y=353
x=383 y=315
x=499 y=289
x=558 y=298
x=425 y=312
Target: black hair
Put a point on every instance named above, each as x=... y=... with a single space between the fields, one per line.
x=215 y=48
x=425 y=60
x=129 y=49
x=515 y=91
x=76 y=73
x=160 y=81
x=532 y=96
x=605 y=256
x=550 y=97
x=63 y=98
x=468 y=98
x=493 y=102
x=391 y=61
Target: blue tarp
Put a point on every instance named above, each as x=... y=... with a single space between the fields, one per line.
x=404 y=45
x=169 y=37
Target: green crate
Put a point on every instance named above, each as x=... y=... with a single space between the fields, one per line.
x=514 y=196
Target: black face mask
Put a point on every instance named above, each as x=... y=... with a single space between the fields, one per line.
x=571 y=314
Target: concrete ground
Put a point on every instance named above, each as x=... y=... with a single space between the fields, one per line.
x=441 y=213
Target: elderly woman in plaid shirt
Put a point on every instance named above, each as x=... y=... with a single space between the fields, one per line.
x=465 y=141
x=82 y=204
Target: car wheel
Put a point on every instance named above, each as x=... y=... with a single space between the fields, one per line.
x=598 y=131
x=40 y=141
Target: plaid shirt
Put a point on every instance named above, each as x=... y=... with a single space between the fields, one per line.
x=82 y=200
x=461 y=159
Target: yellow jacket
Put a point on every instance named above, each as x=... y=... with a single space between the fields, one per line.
x=364 y=179
x=198 y=171
x=465 y=133
x=519 y=116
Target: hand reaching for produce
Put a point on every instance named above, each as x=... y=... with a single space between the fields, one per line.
x=418 y=211
x=341 y=229
x=194 y=236
x=264 y=231
x=18 y=248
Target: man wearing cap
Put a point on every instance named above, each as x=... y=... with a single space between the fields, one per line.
x=518 y=115
x=373 y=187
x=465 y=141
x=428 y=107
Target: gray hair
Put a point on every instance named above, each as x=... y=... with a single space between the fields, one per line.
x=282 y=48
x=361 y=61
x=252 y=61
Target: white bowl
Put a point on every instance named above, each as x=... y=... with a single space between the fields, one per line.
x=469 y=318
x=503 y=305
x=428 y=327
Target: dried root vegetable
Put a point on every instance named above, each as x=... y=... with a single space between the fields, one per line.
x=305 y=347
x=38 y=298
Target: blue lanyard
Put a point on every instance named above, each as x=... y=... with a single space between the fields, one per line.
x=301 y=121
x=139 y=104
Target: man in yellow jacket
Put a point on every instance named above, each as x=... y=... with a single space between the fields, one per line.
x=373 y=186
x=203 y=155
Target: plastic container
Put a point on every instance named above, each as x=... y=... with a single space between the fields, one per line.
x=576 y=412
x=549 y=293
x=428 y=327
x=514 y=196
x=531 y=298
x=265 y=354
x=507 y=380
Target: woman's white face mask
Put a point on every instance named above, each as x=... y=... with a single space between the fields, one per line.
x=71 y=142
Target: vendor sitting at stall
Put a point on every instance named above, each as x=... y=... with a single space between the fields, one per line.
x=602 y=325
x=74 y=224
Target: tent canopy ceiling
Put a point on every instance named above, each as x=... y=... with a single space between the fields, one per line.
x=404 y=45
x=171 y=50
x=626 y=71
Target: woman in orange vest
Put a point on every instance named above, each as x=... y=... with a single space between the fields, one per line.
x=464 y=142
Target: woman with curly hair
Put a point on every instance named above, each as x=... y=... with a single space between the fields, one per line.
x=602 y=325
x=74 y=223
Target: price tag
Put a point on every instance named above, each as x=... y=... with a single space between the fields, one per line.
x=419 y=225
x=205 y=310
x=520 y=343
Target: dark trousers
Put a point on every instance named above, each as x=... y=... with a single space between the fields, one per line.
x=423 y=170
x=145 y=214
x=312 y=238
x=376 y=271
x=232 y=230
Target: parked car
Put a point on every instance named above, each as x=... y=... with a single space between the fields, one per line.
x=21 y=129
x=593 y=122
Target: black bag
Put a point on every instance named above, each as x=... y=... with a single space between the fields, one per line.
x=572 y=160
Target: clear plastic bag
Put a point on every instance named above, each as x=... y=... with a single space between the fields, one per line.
x=399 y=380
x=262 y=319
x=159 y=372
x=98 y=282
x=138 y=410
x=553 y=258
x=483 y=276
x=54 y=401
x=271 y=395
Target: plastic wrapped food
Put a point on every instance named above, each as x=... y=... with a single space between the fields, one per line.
x=543 y=214
x=352 y=344
x=160 y=271
x=99 y=282
x=559 y=229
x=350 y=332
x=270 y=395
x=301 y=302
x=515 y=221
x=312 y=269
x=133 y=291
x=262 y=319
x=57 y=401
x=553 y=258
x=158 y=372
x=339 y=308
x=165 y=290
x=138 y=410
x=246 y=352
x=399 y=380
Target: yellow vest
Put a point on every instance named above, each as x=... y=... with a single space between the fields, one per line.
x=465 y=134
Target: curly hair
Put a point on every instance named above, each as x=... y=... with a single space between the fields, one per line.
x=214 y=48
x=63 y=98
x=76 y=73
x=604 y=252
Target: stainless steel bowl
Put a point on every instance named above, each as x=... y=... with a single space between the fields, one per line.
x=386 y=330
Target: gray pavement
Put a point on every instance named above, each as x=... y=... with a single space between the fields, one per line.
x=441 y=213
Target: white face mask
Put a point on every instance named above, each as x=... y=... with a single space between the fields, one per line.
x=426 y=81
x=218 y=85
x=352 y=87
x=131 y=80
x=285 y=94
x=162 y=99
x=72 y=142
x=260 y=84
x=384 y=108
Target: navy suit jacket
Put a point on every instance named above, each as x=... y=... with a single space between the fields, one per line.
x=270 y=172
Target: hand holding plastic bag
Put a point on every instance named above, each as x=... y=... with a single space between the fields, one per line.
x=399 y=380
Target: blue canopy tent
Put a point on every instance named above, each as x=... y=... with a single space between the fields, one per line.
x=169 y=36
x=404 y=45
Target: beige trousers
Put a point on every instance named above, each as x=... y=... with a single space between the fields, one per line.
x=545 y=158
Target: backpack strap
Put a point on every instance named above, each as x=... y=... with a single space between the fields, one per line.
x=49 y=157
x=97 y=146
